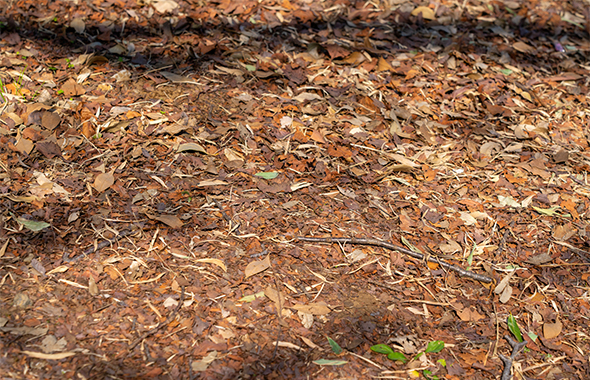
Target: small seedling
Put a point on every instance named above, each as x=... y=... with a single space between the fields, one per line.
x=335 y=349
x=513 y=327
x=433 y=346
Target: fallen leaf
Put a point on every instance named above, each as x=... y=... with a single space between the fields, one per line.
x=217 y=262
x=552 y=330
x=191 y=147
x=169 y=220
x=40 y=355
x=103 y=181
x=427 y=13
x=318 y=308
x=256 y=267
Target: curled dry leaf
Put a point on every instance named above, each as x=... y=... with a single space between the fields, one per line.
x=217 y=262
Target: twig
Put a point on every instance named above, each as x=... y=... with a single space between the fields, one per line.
x=99 y=246
x=382 y=244
x=516 y=347
x=162 y=324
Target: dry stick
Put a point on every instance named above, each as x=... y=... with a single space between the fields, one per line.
x=382 y=244
x=516 y=347
x=99 y=246
x=162 y=324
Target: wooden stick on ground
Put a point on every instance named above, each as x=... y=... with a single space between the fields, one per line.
x=383 y=244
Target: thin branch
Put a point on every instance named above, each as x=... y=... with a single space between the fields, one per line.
x=383 y=244
x=516 y=347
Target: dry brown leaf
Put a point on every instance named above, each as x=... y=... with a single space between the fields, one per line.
x=552 y=330
x=104 y=181
x=522 y=47
x=427 y=13
x=469 y=315
x=92 y=288
x=78 y=25
x=275 y=296
x=3 y=249
x=383 y=65
x=217 y=262
x=169 y=220
x=256 y=267
x=354 y=58
x=506 y=294
x=40 y=355
x=72 y=88
x=318 y=308
x=500 y=287
x=211 y=182
x=23 y=145
x=318 y=137
x=194 y=147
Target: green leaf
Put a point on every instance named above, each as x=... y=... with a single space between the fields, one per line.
x=435 y=346
x=533 y=336
x=252 y=297
x=442 y=362
x=267 y=175
x=547 y=211
x=410 y=245
x=513 y=327
x=335 y=347
x=382 y=349
x=330 y=362
x=32 y=225
x=397 y=356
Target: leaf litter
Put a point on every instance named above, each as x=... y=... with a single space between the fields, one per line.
x=182 y=184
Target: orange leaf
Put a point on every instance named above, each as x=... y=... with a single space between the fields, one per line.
x=383 y=65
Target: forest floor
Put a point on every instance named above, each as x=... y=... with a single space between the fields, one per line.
x=294 y=189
